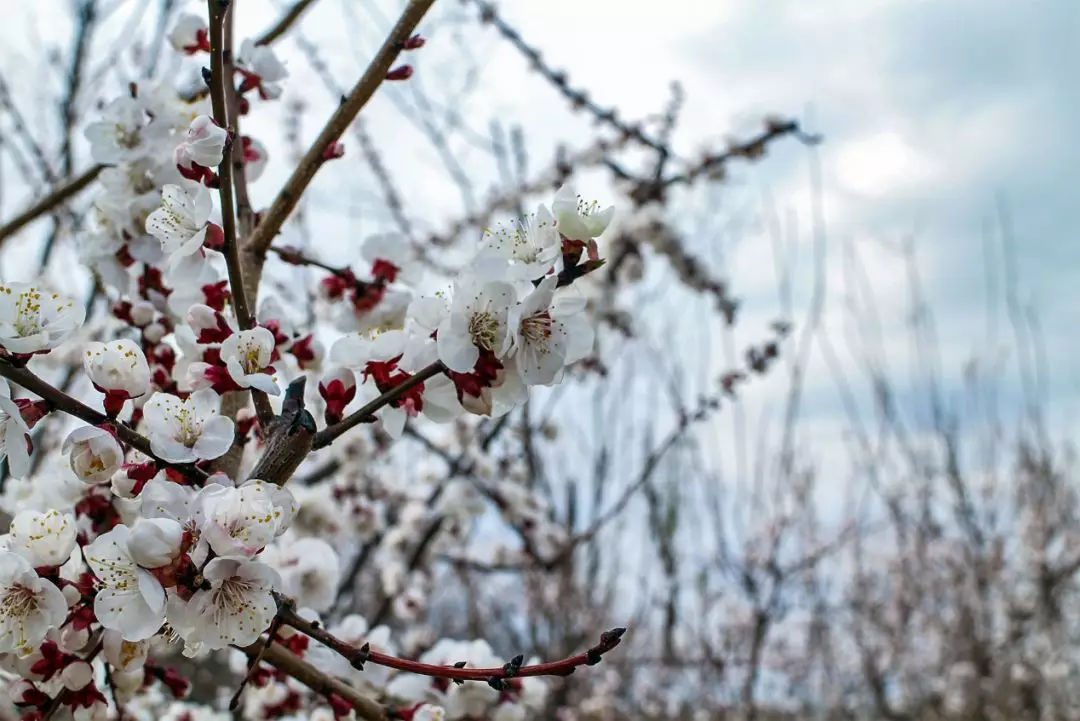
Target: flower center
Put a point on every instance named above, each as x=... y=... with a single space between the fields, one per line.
x=536 y=329
x=249 y=358
x=18 y=603
x=484 y=330
x=28 y=313
x=190 y=427
x=231 y=597
x=127 y=137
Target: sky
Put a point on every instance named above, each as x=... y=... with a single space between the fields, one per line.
x=936 y=117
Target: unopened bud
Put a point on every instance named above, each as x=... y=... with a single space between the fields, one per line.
x=402 y=72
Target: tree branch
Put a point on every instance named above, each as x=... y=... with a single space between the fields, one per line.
x=359 y=656
x=50 y=201
x=220 y=79
x=289 y=195
x=74 y=407
x=285 y=22
x=283 y=660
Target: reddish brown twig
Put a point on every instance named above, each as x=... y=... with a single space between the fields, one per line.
x=373 y=77
x=358 y=656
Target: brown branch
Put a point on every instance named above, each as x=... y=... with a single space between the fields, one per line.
x=339 y=122
x=51 y=201
x=245 y=216
x=359 y=656
x=218 y=81
x=327 y=436
x=72 y=406
x=284 y=660
x=285 y=22
x=220 y=54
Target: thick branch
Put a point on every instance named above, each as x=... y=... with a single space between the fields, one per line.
x=327 y=436
x=373 y=77
x=220 y=78
x=50 y=202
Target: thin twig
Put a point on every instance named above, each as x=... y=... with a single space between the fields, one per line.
x=358 y=656
x=339 y=122
x=285 y=661
x=285 y=22
x=51 y=201
x=219 y=79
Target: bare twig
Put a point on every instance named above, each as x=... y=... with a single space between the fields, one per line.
x=359 y=656
x=51 y=201
x=285 y=22
x=220 y=63
x=289 y=195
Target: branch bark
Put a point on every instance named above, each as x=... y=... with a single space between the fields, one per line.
x=283 y=660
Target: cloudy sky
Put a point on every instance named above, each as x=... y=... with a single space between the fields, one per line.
x=937 y=117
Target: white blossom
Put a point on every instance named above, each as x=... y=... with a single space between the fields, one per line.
x=203 y=145
x=44 y=539
x=476 y=321
x=577 y=219
x=247 y=356
x=130 y=601
x=118 y=369
x=93 y=453
x=155 y=542
x=125 y=132
x=531 y=247
x=180 y=224
x=33 y=319
x=123 y=655
x=29 y=605
x=262 y=67
x=189 y=34
x=14 y=435
x=545 y=336
x=185 y=431
x=310 y=571
x=240 y=522
x=235 y=610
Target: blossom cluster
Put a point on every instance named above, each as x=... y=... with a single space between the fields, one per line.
x=157 y=541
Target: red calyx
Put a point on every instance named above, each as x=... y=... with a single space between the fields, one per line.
x=337 y=396
x=482 y=376
x=401 y=72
